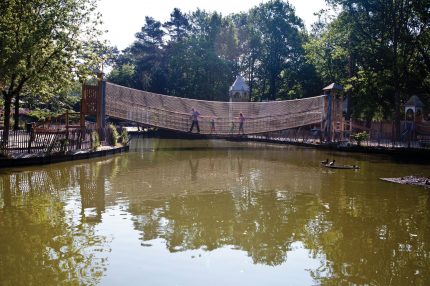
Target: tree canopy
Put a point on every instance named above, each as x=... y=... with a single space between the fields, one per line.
x=379 y=50
x=45 y=45
x=198 y=54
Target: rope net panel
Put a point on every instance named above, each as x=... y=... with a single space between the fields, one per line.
x=174 y=113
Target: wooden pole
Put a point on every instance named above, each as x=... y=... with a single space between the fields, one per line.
x=67 y=124
x=83 y=106
x=100 y=117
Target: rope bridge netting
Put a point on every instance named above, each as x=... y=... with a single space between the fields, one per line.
x=174 y=113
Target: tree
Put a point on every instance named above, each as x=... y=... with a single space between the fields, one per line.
x=278 y=27
x=147 y=53
x=394 y=34
x=202 y=52
x=178 y=25
x=45 y=44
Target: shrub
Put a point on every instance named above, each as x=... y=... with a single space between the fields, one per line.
x=124 y=137
x=113 y=135
x=360 y=137
x=95 y=140
x=64 y=143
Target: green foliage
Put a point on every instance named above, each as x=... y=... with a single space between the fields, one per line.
x=326 y=51
x=42 y=114
x=124 y=138
x=123 y=75
x=360 y=137
x=203 y=52
x=64 y=142
x=45 y=45
x=276 y=24
x=378 y=50
x=67 y=98
x=95 y=140
x=113 y=135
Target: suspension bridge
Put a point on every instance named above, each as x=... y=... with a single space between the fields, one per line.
x=174 y=113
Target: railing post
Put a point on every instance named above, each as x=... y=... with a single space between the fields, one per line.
x=67 y=124
x=31 y=139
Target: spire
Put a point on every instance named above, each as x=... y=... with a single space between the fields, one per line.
x=239 y=91
x=239 y=85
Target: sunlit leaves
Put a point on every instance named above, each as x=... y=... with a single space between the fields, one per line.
x=46 y=45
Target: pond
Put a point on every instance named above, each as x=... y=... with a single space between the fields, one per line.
x=214 y=212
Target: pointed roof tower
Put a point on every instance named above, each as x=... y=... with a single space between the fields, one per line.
x=239 y=91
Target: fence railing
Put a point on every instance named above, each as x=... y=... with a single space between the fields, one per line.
x=68 y=120
x=46 y=141
x=376 y=139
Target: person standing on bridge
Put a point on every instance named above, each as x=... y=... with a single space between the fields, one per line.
x=241 y=121
x=195 y=120
x=213 y=125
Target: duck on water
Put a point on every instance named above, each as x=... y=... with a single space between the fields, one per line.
x=332 y=165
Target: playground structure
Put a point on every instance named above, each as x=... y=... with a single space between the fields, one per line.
x=322 y=113
x=315 y=120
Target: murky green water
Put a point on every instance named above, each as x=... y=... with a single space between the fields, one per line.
x=175 y=212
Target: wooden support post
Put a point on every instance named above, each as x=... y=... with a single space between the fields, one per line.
x=67 y=124
x=333 y=109
x=83 y=104
x=329 y=118
x=100 y=116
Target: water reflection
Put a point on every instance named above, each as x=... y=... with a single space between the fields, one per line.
x=42 y=241
x=92 y=192
x=206 y=196
x=263 y=202
x=194 y=166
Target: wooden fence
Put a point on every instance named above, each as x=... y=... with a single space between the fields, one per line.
x=45 y=141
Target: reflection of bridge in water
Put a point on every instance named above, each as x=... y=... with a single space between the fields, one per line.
x=217 y=166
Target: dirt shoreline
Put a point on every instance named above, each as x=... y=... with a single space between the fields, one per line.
x=410 y=180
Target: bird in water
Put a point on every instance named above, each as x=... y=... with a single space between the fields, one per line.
x=325 y=162
x=332 y=163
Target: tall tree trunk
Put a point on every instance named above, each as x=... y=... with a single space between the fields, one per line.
x=272 y=87
x=350 y=75
x=16 y=113
x=251 y=76
x=7 y=105
x=398 y=6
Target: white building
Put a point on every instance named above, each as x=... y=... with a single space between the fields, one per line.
x=239 y=91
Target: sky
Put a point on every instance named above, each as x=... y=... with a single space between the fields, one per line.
x=124 y=18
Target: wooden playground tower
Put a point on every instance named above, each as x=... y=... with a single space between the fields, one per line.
x=93 y=104
x=334 y=126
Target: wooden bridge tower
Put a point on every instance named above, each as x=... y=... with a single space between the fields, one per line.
x=93 y=103
x=334 y=122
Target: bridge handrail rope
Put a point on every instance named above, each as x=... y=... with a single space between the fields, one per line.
x=203 y=117
x=225 y=121
x=174 y=113
x=162 y=110
x=197 y=101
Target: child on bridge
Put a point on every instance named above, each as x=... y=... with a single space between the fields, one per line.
x=241 y=121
